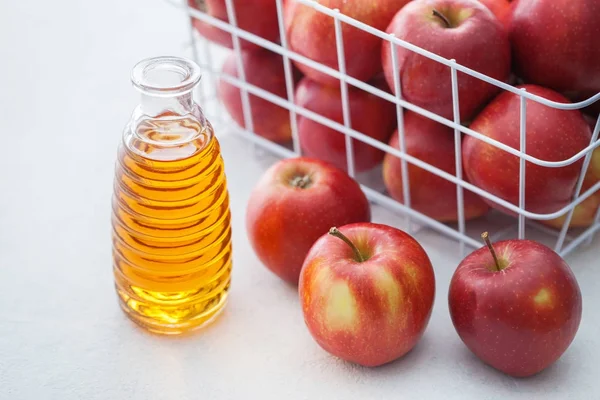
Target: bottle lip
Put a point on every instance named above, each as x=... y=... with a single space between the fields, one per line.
x=165 y=75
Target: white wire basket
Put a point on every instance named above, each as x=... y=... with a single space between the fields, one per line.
x=524 y=225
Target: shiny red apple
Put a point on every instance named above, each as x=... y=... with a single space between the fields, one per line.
x=258 y=17
x=434 y=196
x=293 y=204
x=552 y=135
x=555 y=43
x=265 y=70
x=516 y=305
x=464 y=30
x=369 y=114
x=367 y=291
x=311 y=33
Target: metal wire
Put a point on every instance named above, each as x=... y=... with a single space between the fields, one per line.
x=289 y=78
x=339 y=44
x=401 y=134
x=522 y=148
x=458 y=155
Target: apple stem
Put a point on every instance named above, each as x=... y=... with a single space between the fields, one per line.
x=300 y=181
x=441 y=16
x=201 y=4
x=486 y=239
x=336 y=232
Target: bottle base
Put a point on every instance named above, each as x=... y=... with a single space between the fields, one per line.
x=164 y=321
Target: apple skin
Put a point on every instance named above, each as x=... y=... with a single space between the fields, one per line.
x=372 y=312
x=519 y=320
x=434 y=196
x=265 y=70
x=283 y=220
x=258 y=17
x=552 y=135
x=555 y=43
x=312 y=34
x=501 y=9
x=479 y=41
x=369 y=114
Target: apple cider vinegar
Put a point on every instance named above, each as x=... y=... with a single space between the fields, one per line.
x=171 y=217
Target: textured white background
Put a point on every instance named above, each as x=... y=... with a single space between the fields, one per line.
x=65 y=97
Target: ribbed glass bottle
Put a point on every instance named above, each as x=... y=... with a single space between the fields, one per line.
x=171 y=217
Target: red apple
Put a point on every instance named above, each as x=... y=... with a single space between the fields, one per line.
x=520 y=313
x=258 y=17
x=311 y=33
x=433 y=143
x=555 y=43
x=293 y=204
x=263 y=69
x=585 y=212
x=370 y=114
x=552 y=135
x=463 y=30
x=367 y=291
x=500 y=8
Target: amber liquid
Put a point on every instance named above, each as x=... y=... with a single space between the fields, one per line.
x=171 y=226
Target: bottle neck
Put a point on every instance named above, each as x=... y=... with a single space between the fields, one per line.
x=180 y=104
x=166 y=85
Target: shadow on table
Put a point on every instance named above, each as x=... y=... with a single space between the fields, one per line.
x=467 y=369
x=551 y=379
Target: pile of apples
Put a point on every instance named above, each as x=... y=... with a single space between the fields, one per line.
x=543 y=47
x=367 y=289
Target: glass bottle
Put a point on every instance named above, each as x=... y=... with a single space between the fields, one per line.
x=171 y=219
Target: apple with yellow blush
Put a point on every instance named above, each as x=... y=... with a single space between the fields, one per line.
x=367 y=291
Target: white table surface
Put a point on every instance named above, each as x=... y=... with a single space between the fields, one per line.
x=65 y=97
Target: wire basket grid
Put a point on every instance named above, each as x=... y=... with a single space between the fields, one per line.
x=562 y=242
